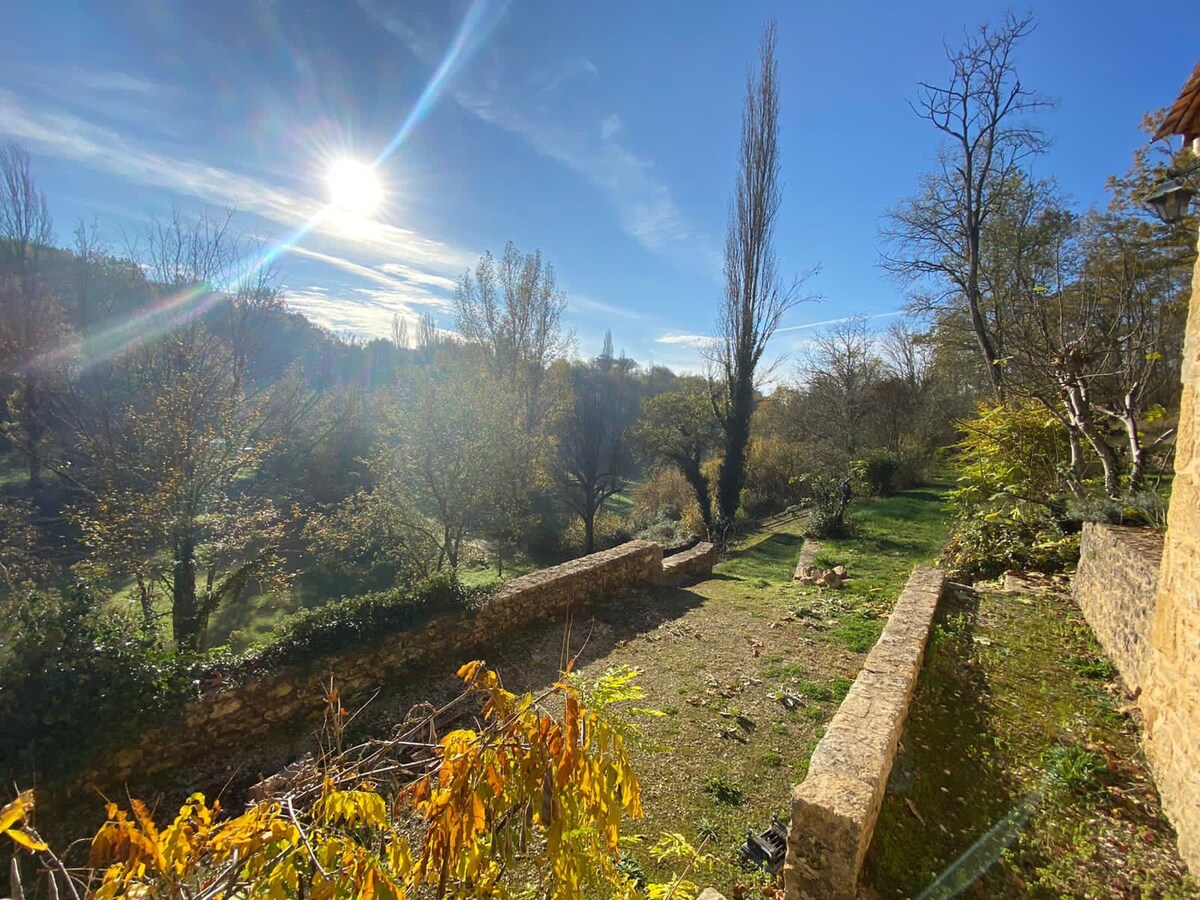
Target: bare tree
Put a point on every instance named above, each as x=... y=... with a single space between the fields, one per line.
x=756 y=298
x=512 y=308
x=592 y=459
x=30 y=316
x=842 y=371
x=936 y=234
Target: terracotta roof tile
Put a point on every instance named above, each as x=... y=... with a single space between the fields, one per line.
x=1184 y=115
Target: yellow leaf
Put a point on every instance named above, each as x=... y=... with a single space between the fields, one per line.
x=16 y=811
x=467 y=671
x=25 y=839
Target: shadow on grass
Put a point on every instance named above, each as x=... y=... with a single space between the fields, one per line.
x=527 y=658
x=947 y=772
x=773 y=558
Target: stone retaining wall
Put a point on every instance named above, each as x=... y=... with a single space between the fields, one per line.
x=1115 y=587
x=228 y=718
x=1142 y=604
x=834 y=810
x=693 y=563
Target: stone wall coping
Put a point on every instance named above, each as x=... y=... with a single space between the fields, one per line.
x=835 y=808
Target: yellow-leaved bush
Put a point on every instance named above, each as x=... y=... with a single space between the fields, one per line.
x=532 y=804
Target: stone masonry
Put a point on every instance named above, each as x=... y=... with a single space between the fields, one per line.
x=1116 y=586
x=227 y=718
x=834 y=810
x=1170 y=701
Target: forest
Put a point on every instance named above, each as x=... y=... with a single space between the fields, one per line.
x=190 y=470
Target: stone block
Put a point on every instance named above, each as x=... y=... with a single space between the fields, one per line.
x=835 y=809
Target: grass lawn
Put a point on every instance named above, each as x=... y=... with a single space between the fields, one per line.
x=13 y=476
x=713 y=657
x=1016 y=706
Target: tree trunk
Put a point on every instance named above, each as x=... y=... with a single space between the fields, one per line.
x=737 y=436
x=1079 y=410
x=691 y=471
x=986 y=349
x=1137 y=453
x=189 y=621
x=589 y=532
x=1076 y=454
x=31 y=424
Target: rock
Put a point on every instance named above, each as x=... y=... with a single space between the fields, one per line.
x=710 y=894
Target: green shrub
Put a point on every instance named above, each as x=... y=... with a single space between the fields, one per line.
x=75 y=679
x=982 y=547
x=1148 y=508
x=610 y=529
x=830 y=497
x=1075 y=770
x=353 y=621
x=879 y=473
x=670 y=533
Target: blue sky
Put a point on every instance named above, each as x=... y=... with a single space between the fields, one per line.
x=604 y=134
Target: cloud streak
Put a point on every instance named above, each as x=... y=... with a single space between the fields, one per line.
x=842 y=320
x=595 y=150
x=419 y=268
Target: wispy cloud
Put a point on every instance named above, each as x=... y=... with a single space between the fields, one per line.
x=594 y=149
x=550 y=78
x=408 y=261
x=842 y=320
x=610 y=125
x=599 y=307
x=692 y=340
x=342 y=317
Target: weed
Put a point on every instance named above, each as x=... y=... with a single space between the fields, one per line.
x=770 y=760
x=1075 y=770
x=841 y=687
x=1096 y=667
x=782 y=670
x=723 y=790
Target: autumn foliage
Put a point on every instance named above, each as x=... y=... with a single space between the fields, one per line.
x=533 y=803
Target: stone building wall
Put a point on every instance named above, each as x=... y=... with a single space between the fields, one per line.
x=227 y=718
x=1145 y=611
x=1170 y=702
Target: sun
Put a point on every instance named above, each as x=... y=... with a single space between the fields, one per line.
x=354 y=187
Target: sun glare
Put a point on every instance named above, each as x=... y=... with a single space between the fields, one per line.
x=354 y=187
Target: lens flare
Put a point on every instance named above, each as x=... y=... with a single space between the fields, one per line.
x=354 y=189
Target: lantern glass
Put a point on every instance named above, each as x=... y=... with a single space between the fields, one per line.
x=1171 y=201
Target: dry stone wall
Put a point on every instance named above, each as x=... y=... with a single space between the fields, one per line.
x=694 y=563
x=230 y=717
x=1116 y=586
x=835 y=809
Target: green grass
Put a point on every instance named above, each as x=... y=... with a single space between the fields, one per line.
x=12 y=472
x=1002 y=717
x=886 y=538
x=769 y=558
